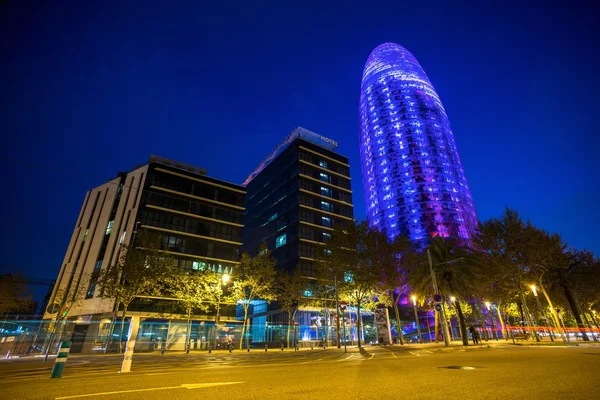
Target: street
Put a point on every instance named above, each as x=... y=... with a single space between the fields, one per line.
x=500 y=370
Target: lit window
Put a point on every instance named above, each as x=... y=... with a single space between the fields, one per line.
x=109 y=227
x=326 y=221
x=308 y=293
x=85 y=234
x=264 y=251
x=325 y=206
x=273 y=217
x=348 y=277
x=199 y=265
x=326 y=236
x=323 y=163
x=122 y=238
x=280 y=240
x=98 y=265
x=324 y=177
x=327 y=252
x=325 y=191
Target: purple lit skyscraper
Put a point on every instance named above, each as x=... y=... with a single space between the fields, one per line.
x=414 y=180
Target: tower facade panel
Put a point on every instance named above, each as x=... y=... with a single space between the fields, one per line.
x=414 y=181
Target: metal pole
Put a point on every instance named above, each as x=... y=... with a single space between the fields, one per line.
x=217 y=320
x=435 y=287
x=61 y=359
x=337 y=310
x=417 y=321
x=539 y=306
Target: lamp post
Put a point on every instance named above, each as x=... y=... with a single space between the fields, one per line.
x=435 y=288
x=453 y=303
x=489 y=307
x=414 y=299
x=539 y=305
x=224 y=280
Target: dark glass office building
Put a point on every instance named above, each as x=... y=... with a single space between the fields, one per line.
x=295 y=198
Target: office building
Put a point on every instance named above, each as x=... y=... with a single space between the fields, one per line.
x=413 y=177
x=199 y=217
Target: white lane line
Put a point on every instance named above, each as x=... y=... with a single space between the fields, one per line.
x=347 y=358
x=372 y=355
x=183 y=386
x=414 y=354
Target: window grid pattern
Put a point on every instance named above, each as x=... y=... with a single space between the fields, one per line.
x=414 y=180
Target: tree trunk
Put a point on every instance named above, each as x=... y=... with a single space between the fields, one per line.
x=463 y=327
x=572 y=303
x=189 y=330
x=520 y=306
x=358 y=324
x=436 y=321
x=552 y=310
x=122 y=327
x=398 y=322
x=243 y=325
x=289 y=327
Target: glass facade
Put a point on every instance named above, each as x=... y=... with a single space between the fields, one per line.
x=414 y=180
x=294 y=201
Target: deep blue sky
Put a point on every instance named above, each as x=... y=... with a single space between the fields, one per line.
x=90 y=90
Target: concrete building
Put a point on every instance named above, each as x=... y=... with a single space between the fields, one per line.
x=200 y=219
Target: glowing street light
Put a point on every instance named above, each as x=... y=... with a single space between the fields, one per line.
x=539 y=305
x=414 y=299
x=224 y=279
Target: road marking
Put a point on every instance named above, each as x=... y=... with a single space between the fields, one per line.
x=182 y=386
x=372 y=355
x=347 y=358
x=414 y=354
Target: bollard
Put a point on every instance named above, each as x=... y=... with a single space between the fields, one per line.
x=281 y=346
x=311 y=345
x=266 y=347
x=61 y=359
x=209 y=348
x=162 y=348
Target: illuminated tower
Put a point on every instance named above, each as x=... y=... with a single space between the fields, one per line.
x=414 y=180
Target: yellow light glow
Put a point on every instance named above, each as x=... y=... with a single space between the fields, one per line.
x=225 y=278
x=533 y=289
x=414 y=299
x=452 y=299
x=487 y=304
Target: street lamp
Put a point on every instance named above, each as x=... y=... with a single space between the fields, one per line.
x=539 y=305
x=414 y=299
x=224 y=280
x=489 y=307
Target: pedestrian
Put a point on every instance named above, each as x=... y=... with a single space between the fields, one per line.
x=473 y=334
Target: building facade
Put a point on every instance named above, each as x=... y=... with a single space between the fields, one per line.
x=200 y=219
x=294 y=199
x=413 y=178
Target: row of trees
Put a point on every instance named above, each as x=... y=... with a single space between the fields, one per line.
x=506 y=257
x=362 y=266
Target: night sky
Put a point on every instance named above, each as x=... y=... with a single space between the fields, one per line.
x=91 y=90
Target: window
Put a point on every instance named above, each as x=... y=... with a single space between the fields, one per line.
x=326 y=236
x=307 y=293
x=98 y=265
x=325 y=191
x=280 y=240
x=85 y=234
x=327 y=252
x=326 y=221
x=323 y=163
x=325 y=206
x=122 y=237
x=264 y=251
x=348 y=277
x=91 y=289
x=324 y=177
x=199 y=265
x=109 y=227
x=272 y=217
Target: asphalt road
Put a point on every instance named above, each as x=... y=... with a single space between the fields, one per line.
x=502 y=371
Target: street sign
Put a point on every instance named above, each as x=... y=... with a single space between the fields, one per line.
x=438 y=307
x=343 y=305
x=53 y=308
x=437 y=298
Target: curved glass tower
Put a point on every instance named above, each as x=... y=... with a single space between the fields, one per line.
x=414 y=180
